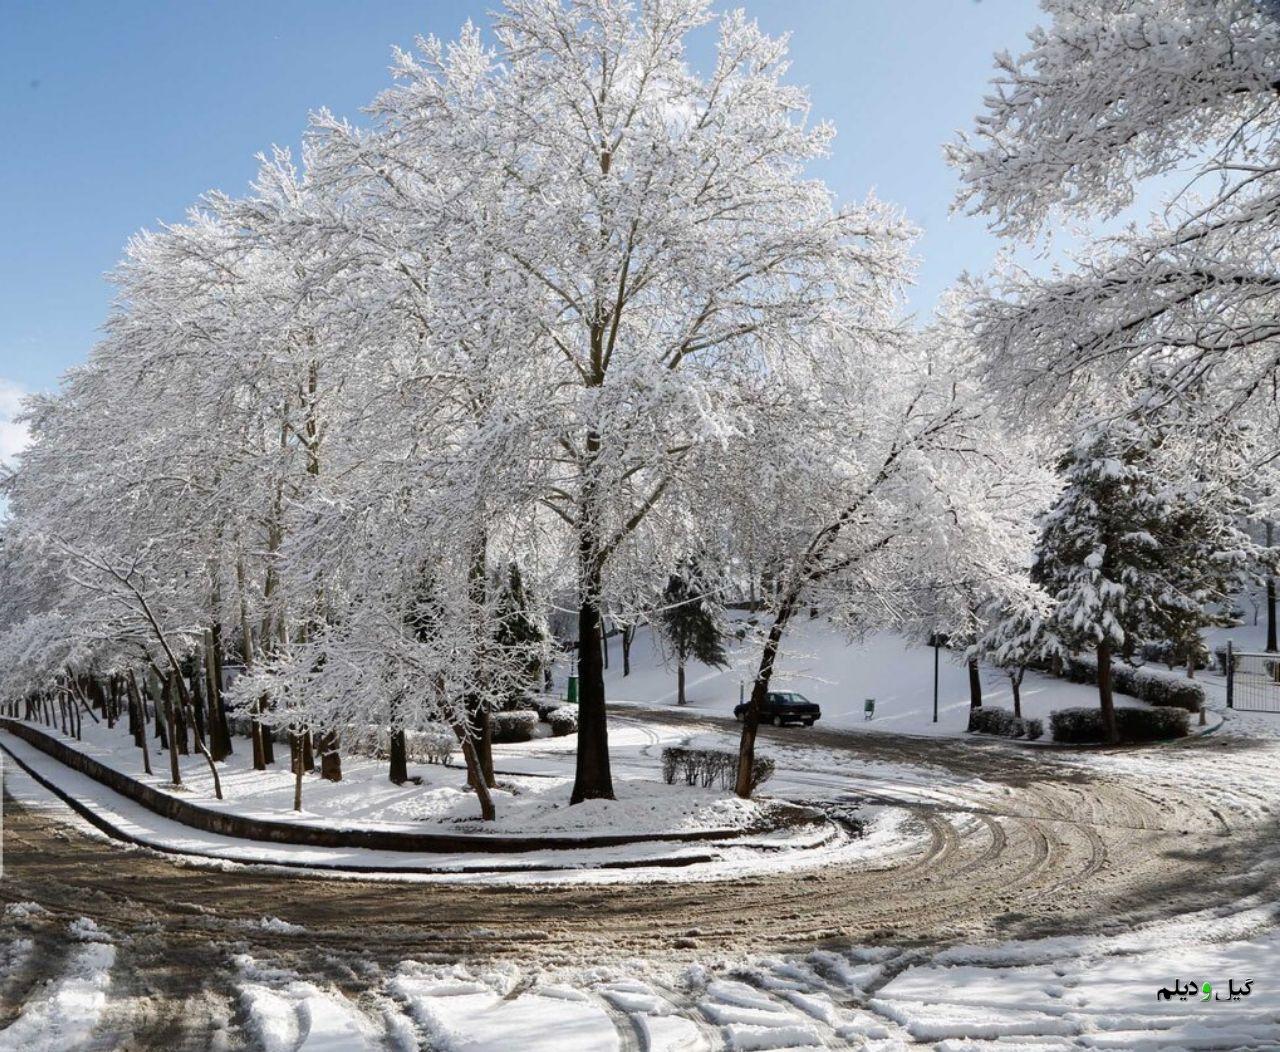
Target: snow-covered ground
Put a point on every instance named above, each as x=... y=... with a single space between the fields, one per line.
x=821 y=663
x=636 y=764
x=366 y=799
x=1064 y=992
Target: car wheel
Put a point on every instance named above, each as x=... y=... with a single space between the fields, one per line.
x=777 y=721
x=808 y=723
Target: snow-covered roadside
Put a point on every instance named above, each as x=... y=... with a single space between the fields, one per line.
x=366 y=799
x=645 y=862
x=63 y=1015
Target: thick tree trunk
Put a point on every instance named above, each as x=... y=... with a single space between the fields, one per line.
x=680 y=682
x=975 y=685
x=628 y=634
x=399 y=758
x=1015 y=682
x=1105 y=698
x=593 y=777
x=604 y=643
x=330 y=757
x=759 y=690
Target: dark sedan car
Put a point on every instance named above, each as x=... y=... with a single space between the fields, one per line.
x=784 y=706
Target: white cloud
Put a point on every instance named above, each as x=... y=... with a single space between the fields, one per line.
x=13 y=436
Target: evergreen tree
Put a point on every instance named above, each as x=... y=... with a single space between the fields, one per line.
x=1137 y=547
x=689 y=623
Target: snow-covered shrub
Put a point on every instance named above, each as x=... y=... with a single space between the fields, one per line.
x=1134 y=725
x=515 y=726
x=437 y=746
x=991 y=719
x=1035 y=729
x=563 y=721
x=1152 y=685
x=706 y=767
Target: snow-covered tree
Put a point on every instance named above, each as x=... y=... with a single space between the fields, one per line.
x=1110 y=95
x=1139 y=546
x=664 y=235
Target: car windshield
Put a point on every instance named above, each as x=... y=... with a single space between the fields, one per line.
x=792 y=699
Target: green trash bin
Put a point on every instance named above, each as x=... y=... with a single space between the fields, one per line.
x=571 y=691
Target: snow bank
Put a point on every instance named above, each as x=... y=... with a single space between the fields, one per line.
x=287 y=1014
x=63 y=1016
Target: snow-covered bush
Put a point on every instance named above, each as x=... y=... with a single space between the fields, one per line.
x=991 y=719
x=1151 y=685
x=516 y=726
x=1135 y=725
x=707 y=767
x=563 y=721
x=435 y=746
x=1035 y=729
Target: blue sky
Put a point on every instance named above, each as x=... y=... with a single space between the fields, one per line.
x=117 y=116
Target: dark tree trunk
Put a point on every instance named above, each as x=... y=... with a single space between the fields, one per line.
x=975 y=685
x=593 y=778
x=680 y=682
x=330 y=757
x=628 y=634
x=175 y=773
x=604 y=642
x=1105 y=699
x=1271 y=601
x=759 y=690
x=308 y=754
x=399 y=758
x=477 y=709
x=475 y=778
x=1015 y=681
x=219 y=730
x=136 y=699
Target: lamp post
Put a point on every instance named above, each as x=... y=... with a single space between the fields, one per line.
x=936 y=643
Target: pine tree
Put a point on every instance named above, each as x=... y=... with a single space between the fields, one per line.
x=1099 y=555
x=689 y=623
x=1138 y=548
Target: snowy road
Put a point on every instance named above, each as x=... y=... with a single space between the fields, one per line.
x=1077 y=855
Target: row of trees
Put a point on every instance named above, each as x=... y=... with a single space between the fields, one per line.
x=566 y=306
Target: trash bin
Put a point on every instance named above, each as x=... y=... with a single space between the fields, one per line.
x=571 y=691
x=869 y=709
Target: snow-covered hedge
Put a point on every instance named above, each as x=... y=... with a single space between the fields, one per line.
x=991 y=719
x=563 y=721
x=1151 y=685
x=706 y=767
x=1134 y=725
x=516 y=726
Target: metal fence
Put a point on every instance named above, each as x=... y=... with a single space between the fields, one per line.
x=1253 y=681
